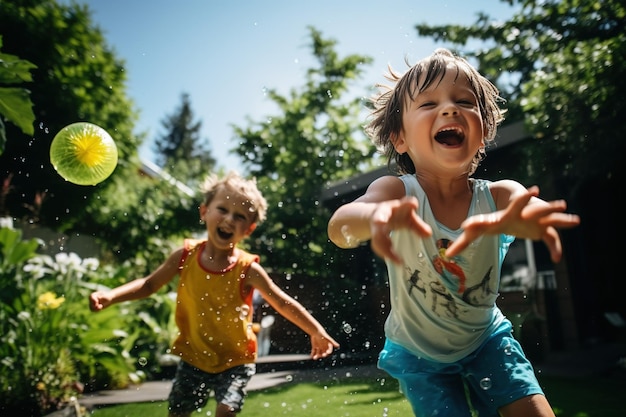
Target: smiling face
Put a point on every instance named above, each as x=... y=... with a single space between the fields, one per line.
x=386 y=125
x=229 y=218
x=442 y=128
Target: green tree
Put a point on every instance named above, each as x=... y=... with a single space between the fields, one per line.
x=152 y=218
x=561 y=66
x=180 y=150
x=77 y=78
x=316 y=139
x=15 y=104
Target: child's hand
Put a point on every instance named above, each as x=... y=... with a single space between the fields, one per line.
x=98 y=300
x=537 y=221
x=391 y=215
x=322 y=345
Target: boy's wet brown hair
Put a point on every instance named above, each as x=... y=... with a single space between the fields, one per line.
x=391 y=101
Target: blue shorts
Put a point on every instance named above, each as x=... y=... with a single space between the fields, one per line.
x=495 y=375
x=192 y=386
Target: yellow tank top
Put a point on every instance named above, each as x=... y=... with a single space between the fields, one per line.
x=214 y=320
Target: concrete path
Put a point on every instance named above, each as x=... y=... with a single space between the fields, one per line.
x=159 y=390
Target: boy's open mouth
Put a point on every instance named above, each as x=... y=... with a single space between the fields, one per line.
x=450 y=136
x=224 y=235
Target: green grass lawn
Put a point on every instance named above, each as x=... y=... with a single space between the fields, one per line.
x=573 y=397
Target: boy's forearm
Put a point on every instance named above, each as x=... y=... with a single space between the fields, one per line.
x=133 y=290
x=350 y=225
x=295 y=312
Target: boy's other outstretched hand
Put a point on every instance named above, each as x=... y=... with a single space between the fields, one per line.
x=523 y=219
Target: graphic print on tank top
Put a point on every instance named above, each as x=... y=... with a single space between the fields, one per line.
x=442 y=285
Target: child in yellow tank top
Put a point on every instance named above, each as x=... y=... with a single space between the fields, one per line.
x=214 y=306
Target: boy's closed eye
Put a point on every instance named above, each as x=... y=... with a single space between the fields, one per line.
x=468 y=102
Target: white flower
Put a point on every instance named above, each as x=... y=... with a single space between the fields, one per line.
x=68 y=262
x=23 y=315
x=35 y=269
x=91 y=264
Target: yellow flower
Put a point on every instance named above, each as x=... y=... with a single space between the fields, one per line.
x=49 y=301
x=41 y=386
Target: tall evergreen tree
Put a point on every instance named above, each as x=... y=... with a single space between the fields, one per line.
x=180 y=150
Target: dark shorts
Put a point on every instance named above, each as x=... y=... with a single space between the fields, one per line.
x=192 y=387
x=495 y=375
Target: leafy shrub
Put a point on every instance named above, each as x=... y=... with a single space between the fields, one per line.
x=51 y=346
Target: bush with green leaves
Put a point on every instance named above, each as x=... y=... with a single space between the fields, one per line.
x=51 y=346
x=36 y=336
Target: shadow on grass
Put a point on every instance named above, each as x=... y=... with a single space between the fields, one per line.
x=594 y=396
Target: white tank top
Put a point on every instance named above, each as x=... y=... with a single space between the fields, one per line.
x=444 y=309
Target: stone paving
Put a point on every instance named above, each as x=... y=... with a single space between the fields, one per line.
x=271 y=372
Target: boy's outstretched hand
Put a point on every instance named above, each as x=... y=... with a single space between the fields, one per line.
x=322 y=345
x=391 y=215
x=98 y=300
x=537 y=220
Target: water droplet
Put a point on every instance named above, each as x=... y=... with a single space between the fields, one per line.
x=244 y=310
x=142 y=361
x=351 y=240
x=485 y=383
x=508 y=350
x=289 y=378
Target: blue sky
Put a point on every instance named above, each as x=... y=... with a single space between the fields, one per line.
x=225 y=53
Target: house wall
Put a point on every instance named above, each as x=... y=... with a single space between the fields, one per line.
x=54 y=242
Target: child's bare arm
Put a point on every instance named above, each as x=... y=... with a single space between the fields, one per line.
x=383 y=208
x=322 y=344
x=138 y=288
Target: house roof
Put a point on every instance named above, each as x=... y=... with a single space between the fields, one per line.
x=154 y=171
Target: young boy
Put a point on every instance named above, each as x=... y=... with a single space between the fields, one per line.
x=216 y=343
x=444 y=236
